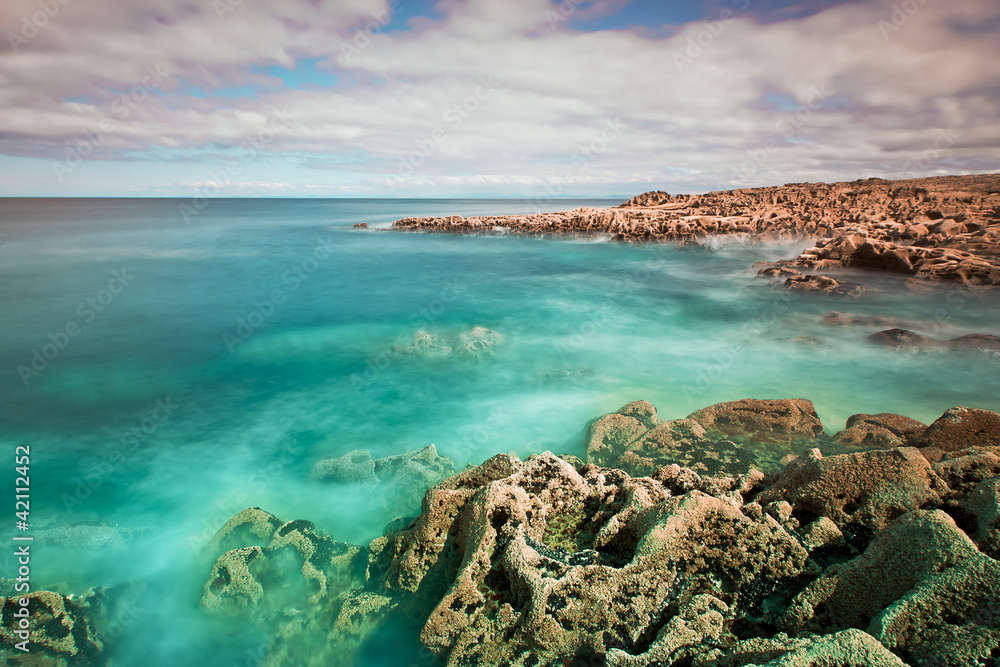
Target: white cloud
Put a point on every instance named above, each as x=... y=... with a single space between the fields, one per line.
x=710 y=122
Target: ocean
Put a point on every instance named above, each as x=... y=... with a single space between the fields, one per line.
x=169 y=367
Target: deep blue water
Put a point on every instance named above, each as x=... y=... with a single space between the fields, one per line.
x=218 y=360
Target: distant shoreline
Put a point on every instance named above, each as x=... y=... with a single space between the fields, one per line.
x=938 y=228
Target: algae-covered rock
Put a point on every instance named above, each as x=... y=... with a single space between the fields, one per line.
x=545 y=562
x=921 y=588
x=764 y=421
x=58 y=630
x=403 y=477
x=764 y=432
x=864 y=490
x=961 y=428
x=881 y=431
x=285 y=586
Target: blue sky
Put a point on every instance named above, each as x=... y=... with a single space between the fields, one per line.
x=399 y=98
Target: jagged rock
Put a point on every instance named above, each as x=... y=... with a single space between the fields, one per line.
x=865 y=225
x=423 y=345
x=535 y=562
x=251 y=527
x=817 y=284
x=643 y=411
x=963 y=469
x=984 y=503
x=903 y=339
x=881 y=431
x=848 y=648
x=288 y=588
x=785 y=420
x=637 y=441
x=961 y=427
x=922 y=588
x=360 y=225
x=822 y=533
x=297 y=566
x=60 y=631
x=405 y=476
x=862 y=491
x=701 y=621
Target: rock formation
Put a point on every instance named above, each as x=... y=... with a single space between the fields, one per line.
x=403 y=476
x=929 y=228
x=881 y=555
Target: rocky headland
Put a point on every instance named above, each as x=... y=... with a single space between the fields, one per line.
x=940 y=228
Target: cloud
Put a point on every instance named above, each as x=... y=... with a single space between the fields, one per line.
x=497 y=93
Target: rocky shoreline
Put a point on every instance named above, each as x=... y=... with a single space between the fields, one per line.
x=739 y=535
x=941 y=228
x=723 y=538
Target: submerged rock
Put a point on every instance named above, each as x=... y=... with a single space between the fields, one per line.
x=404 y=476
x=907 y=340
x=564 y=376
x=66 y=630
x=471 y=345
x=423 y=345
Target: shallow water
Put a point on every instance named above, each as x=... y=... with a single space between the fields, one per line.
x=160 y=418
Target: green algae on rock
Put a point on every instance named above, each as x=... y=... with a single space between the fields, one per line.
x=880 y=557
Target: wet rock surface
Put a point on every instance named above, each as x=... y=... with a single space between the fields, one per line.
x=941 y=228
x=908 y=341
x=64 y=630
x=406 y=476
x=882 y=555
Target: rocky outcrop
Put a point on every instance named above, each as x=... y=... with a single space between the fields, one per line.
x=405 y=476
x=291 y=587
x=785 y=420
x=901 y=339
x=942 y=228
x=863 y=491
x=921 y=588
x=65 y=630
x=710 y=441
x=816 y=284
x=880 y=557
x=58 y=627
x=360 y=225
x=536 y=562
x=962 y=427
x=881 y=431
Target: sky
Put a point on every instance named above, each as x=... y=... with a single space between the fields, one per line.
x=478 y=98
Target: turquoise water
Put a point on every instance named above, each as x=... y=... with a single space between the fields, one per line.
x=165 y=415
